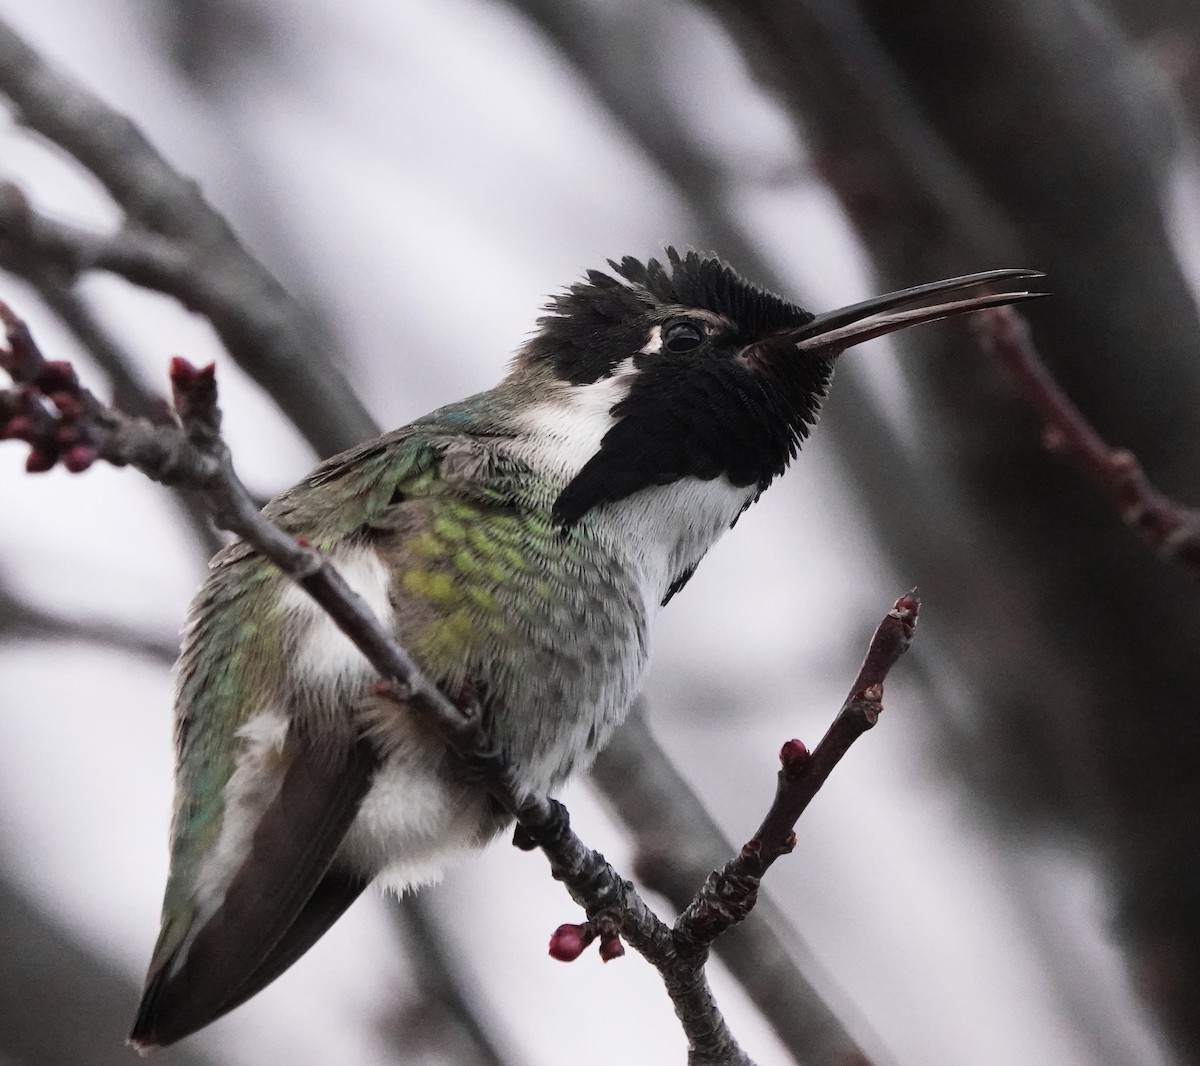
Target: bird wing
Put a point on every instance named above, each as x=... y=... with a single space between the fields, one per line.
x=281 y=898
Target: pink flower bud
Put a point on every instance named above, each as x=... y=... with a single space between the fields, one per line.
x=183 y=374
x=40 y=460
x=19 y=427
x=79 y=458
x=611 y=948
x=793 y=755
x=57 y=375
x=568 y=942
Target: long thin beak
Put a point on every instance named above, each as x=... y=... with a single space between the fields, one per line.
x=847 y=326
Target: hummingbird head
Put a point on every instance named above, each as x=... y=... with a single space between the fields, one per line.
x=686 y=369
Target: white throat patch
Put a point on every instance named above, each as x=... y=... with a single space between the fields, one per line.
x=565 y=430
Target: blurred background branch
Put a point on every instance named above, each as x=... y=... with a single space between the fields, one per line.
x=261 y=326
x=86 y=998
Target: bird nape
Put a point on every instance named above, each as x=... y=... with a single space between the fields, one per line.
x=518 y=544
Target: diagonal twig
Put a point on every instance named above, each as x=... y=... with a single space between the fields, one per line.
x=677 y=844
x=728 y=895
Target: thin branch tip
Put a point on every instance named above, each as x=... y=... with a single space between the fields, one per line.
x=906 y=609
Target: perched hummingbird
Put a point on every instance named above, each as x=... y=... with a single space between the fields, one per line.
x=519 y=544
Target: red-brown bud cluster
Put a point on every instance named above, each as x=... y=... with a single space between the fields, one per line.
x=569 y=941
x=48 y=412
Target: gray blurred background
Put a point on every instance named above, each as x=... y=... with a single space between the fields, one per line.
x=1007 y=870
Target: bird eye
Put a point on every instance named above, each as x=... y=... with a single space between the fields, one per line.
x=682 y=337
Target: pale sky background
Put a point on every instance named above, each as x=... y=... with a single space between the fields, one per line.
x=432 y=172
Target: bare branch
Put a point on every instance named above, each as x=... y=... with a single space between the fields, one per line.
x=20 y=619
x=1169 y=528
x=441 y=987
x=605 y=896
x=802 y=775
x=265 y=330
x=677 y=845
x=728 y=896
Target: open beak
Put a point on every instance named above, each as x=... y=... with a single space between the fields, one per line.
x=838 y=330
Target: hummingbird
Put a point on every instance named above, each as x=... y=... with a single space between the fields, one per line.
x=519 y=545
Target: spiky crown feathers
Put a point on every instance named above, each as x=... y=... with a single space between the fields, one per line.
x=709 y=283
x=613 y=309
